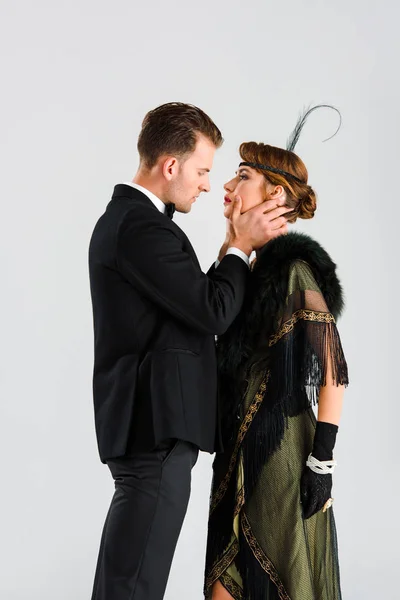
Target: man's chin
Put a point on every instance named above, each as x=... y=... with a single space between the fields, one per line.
x=183 y=209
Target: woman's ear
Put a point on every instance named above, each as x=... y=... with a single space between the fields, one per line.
x=277 y=192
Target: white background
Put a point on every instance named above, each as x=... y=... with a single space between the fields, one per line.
x=76 y=80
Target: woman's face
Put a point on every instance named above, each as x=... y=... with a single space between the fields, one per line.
x=250 y=185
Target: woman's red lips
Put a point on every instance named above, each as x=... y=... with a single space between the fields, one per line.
x=227 y=199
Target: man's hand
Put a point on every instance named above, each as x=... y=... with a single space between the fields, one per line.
x=253 y=229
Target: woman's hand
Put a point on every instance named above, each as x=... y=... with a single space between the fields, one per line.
x=315 y=491
x=315 y=488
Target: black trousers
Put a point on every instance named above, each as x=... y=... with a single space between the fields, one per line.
x=144 y=521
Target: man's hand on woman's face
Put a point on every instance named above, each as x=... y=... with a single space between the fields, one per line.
x=254 y=228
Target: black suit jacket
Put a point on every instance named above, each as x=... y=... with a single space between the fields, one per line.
x=155 y=320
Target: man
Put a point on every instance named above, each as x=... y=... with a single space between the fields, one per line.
x=155 y=318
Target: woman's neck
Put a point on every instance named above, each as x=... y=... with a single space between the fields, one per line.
x=258 y=252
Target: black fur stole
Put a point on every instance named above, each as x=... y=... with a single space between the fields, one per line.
x=266 y=294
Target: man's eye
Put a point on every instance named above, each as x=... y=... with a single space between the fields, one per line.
x=242 y=176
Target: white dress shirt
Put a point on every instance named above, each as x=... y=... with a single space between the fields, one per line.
x=238 y=253
x=155 y=200
x=161 y=207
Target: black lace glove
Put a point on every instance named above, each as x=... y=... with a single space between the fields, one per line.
x=315 y=489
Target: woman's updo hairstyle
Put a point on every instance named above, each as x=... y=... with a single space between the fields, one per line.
x=300 y=196
x=285 y=168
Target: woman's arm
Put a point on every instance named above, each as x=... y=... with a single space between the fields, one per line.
x=330 y=403
x=316 y=488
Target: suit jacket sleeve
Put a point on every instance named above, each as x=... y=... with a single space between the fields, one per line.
x=152 y=258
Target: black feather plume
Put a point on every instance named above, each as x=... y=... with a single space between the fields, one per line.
x=294 y=136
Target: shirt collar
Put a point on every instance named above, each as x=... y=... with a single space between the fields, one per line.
x=155 y=200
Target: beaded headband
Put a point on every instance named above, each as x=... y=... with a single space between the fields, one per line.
x=272 y=169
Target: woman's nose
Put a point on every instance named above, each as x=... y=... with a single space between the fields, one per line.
x=228 y=186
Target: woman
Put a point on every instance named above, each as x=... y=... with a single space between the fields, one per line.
x=271 y=529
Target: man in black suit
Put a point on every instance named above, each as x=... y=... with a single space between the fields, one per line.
x=155 y=320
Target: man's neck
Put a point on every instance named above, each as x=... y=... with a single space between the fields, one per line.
x=149 y=184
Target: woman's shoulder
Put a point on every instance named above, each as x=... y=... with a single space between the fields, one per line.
x=298 y=246
x=302 y=260
x=296 y=250
x=301 y=277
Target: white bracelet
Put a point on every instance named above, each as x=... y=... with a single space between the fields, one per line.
x=322 y=467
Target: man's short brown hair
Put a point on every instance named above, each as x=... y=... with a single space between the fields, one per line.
x=173 y=129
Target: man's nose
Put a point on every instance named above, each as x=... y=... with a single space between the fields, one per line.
x=205 y=187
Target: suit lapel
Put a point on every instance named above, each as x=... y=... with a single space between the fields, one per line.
x=132 y=194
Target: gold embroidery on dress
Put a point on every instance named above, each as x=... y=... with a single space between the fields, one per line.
x=222 y=564
x=253 y=408
x=239 y=501
x=233 y=588
x=264 y=561
x=306 y=315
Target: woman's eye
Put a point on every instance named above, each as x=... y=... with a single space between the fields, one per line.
x=242 y=176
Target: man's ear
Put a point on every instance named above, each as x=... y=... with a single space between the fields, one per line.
x=170 y=167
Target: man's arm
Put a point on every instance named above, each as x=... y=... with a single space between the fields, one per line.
x=151 y=258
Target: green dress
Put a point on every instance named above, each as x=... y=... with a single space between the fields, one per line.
x=259 y=545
